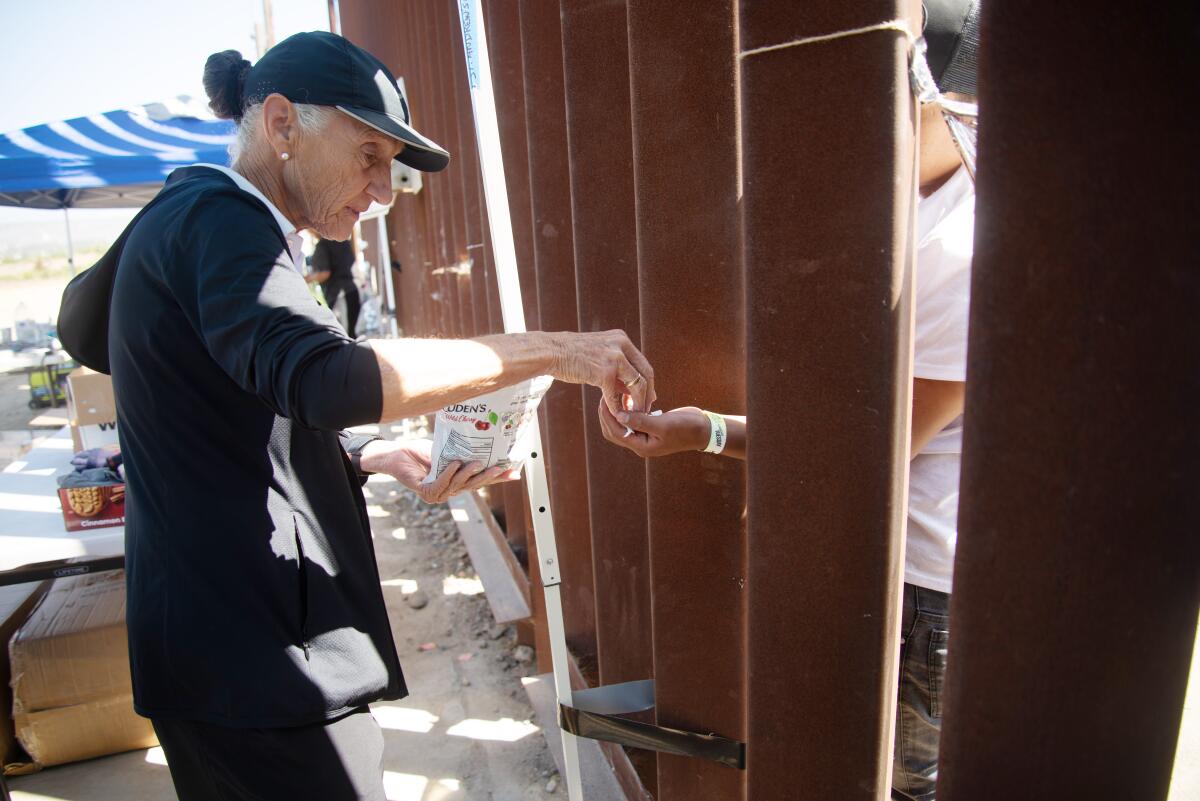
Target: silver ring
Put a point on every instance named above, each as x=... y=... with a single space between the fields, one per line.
x=635 y=381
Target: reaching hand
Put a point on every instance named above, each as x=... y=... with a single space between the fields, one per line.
x=682 y=429
x=608 y=360
x=408 y=462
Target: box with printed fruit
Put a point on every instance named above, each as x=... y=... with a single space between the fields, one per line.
x=90 y=507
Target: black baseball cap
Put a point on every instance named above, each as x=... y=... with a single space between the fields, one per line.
x=951 y=31
x=325 y=69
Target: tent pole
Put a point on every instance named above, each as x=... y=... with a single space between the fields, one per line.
x=70 y=244
x=388 y=289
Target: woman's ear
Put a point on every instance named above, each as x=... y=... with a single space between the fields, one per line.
x=279 y=124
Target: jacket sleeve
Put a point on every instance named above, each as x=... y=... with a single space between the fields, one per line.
x=353 y=445
x=236 y=283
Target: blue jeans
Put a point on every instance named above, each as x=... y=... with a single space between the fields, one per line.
x=924 y=639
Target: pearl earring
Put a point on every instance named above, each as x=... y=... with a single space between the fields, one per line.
x=284 y=156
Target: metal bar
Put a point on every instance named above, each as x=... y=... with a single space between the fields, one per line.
x=827 y=192
x=596 y=82
x=426 y=91
x=468 y=160
x=446 y=31
x=504 y=40
x=421 y=101
x=479 y=73
x=1077 y=580
x=553 y=257
x=489 y=260
x=692 y=323
x=60 y=568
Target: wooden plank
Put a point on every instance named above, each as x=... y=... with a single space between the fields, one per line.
x=503 y=579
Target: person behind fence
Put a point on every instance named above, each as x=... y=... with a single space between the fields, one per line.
x=257 y=627
x=945 y=233
x=333 y=269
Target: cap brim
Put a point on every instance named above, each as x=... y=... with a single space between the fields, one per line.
x=420 y=152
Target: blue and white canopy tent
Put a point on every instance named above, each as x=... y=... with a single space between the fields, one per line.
x=111 y=160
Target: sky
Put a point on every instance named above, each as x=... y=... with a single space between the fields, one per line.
x=68 y=58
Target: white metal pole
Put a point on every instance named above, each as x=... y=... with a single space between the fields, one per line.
x=70 y=243
x=385 y=260
x=487 y=133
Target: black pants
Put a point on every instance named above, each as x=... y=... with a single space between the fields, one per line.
x=350 y=303
x=337 y=761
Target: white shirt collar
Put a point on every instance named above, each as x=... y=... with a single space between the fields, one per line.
x=285 y=225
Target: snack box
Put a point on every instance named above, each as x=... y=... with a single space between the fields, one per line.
x=86 y=508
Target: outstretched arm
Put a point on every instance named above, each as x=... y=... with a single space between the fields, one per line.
x=420 y=375
x=935 y=405
x=687 y=428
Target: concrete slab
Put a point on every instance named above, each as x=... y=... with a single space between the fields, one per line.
x=506 y=586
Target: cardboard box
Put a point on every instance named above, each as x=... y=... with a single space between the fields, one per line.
x=9 y=750
x=91 y=409
x=86 y=508
x=72 y=697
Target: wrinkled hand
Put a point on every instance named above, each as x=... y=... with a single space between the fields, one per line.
x=608 y=360
x=682 y=429
x=408 y=462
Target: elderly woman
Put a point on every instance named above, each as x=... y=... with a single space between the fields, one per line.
x=257 y=627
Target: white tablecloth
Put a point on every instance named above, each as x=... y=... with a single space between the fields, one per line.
x=31 y=522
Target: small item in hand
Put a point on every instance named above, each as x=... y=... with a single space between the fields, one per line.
x=490 y=429
x=655 y=413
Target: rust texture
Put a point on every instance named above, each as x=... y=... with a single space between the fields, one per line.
x=690 y=291
x=1077 y=577
x=600 y=151
x=744 y=214
x=553 y=255
x=826 y=194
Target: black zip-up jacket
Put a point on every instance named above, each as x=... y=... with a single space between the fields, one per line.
x=253 y=592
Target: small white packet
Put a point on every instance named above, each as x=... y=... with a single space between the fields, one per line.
x=629 y=431
x=490 y=429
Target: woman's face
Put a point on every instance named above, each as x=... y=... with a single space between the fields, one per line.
x=333 y=176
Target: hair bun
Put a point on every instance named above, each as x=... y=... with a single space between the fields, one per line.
x=224 y=79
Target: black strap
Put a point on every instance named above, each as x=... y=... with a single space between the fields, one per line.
x=595 y=714
x=60 y=568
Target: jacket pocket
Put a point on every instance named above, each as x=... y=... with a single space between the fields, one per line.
x=302 y=586
x=939 y=644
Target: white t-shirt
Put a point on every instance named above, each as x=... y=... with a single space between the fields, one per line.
x=945 y=239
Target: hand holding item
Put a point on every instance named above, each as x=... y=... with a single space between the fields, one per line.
x=107 y=456
x=408 y=462
x=684 y=429
x=608 y=360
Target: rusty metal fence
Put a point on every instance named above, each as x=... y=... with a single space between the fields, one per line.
x=734 y=190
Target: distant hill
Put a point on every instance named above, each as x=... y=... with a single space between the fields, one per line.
x=32 y=234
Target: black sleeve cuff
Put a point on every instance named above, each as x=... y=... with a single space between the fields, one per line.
x=353 y=445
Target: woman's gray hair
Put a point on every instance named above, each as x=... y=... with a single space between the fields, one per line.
x=312 y=120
